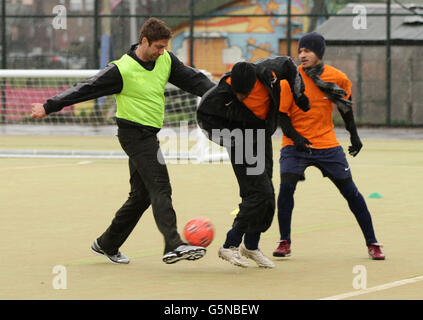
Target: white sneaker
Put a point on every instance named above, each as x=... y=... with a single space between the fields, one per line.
x=258 y=256
x=117 y=258
x=232 y=255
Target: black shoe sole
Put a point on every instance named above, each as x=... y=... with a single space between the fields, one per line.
x=189 y=255
x=376 y=258
x=281 y=255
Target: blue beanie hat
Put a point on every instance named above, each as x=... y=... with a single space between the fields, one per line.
x=313 y=41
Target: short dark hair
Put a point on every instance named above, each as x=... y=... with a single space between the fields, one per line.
x=243 y=77
x=154 y=29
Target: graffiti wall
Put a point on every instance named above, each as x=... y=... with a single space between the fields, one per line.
x=220 y=42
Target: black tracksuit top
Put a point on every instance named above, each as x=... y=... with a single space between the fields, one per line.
x=109 y=81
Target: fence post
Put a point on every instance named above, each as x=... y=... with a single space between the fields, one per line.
x=359 y=85
x=388 y=62
x=96 y=59
x=3 y=60
x=191 y=33
x=96 y=32
x=410 y=86
x=288 y=32
x=3 y=35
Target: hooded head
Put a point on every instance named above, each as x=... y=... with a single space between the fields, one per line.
x=243 y=77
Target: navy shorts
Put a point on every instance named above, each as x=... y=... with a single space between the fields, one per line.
x=331 y=162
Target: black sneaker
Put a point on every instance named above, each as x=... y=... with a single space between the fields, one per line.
x=184 y=252
x=117 y=258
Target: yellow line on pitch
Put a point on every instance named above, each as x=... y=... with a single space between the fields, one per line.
x=97 y=259
x=159 y=251
x=317 y=227
x=47 y=166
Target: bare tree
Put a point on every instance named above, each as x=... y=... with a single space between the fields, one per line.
x=319 y=7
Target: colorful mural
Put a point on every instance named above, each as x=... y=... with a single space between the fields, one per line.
x=220 y=42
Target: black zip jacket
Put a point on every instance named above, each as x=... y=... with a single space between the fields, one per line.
x=220 y=109
x=109 y=81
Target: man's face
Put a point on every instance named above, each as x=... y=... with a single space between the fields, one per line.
x=152 y=51
x=308 y=58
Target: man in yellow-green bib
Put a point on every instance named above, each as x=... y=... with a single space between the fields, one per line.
x=138 y=82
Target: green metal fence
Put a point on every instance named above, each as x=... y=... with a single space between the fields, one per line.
x=98 y=18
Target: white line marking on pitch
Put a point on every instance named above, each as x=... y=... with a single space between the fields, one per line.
x=84 y=162
x=48 y=166
x=375 y=289
x=388 y=166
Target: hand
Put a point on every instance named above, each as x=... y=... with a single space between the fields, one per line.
x=303 y=103
x=38 y=111
x=356 y=145
x=302 y=144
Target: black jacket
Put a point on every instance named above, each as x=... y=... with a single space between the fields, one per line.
x=109 y=81
x=220 y=109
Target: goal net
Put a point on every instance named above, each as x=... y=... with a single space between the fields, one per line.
x=183 y=140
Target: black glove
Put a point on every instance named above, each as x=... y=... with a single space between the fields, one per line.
x=302 y=102
x=356 y=145
x=302 y=144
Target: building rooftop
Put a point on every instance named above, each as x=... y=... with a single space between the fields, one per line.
x=346 y=28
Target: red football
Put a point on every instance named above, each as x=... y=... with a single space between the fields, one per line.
x=199 y=232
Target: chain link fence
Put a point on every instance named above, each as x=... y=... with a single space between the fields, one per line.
x=362 y=40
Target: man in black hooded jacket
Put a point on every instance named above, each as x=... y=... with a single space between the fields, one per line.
x=241 y=113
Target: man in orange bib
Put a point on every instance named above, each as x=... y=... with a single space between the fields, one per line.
x=309 y=140
x=241 y=113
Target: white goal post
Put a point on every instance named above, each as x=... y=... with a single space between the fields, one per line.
x=20 y=88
